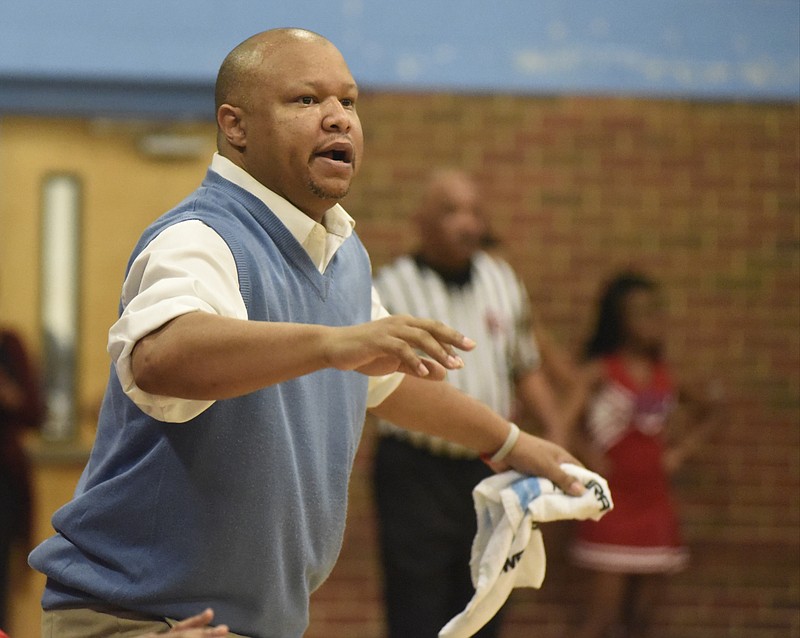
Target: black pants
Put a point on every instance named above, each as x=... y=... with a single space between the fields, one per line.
x=427 y=525
x=9 y=515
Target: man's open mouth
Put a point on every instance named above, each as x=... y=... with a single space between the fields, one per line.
x=338 y=153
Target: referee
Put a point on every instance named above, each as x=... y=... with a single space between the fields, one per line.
x=423 y=484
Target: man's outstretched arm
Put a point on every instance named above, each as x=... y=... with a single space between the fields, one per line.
x=441 y=410
x=200 y=355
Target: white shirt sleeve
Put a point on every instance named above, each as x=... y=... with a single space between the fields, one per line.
x=187 y=268
x=381 y=387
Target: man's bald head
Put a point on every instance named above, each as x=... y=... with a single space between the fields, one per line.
x=241 y=67
x=442 y=184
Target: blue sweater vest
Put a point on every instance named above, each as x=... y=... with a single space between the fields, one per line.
x=242 y=508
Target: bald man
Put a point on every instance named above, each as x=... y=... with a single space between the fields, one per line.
x=423 y=483
x=248 y=348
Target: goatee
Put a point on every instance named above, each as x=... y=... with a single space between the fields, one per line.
x=327 y=193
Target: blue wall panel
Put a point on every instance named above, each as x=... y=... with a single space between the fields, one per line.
x=714 y=49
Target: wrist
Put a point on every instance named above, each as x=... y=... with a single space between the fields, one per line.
x=505 y=449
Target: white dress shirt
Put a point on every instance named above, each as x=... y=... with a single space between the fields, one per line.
x=188 y=267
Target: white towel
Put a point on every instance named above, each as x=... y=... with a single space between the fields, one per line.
x=508 y=550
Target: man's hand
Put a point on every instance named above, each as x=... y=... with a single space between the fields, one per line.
x=194 y=627
x=393 y=344
x=535 y=456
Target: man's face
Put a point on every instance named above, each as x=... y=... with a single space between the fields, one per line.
x=453 y=222
x=304 y=138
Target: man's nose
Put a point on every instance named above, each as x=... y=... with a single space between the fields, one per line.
x=335 y=116
x=469 y=222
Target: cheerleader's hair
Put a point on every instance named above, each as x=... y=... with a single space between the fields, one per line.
x=610 y=327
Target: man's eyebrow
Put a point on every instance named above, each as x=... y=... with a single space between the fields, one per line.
x=311 y=84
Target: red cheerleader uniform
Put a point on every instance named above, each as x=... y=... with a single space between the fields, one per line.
x=641 y=534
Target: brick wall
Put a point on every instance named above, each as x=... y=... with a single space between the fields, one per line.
x=702 y=195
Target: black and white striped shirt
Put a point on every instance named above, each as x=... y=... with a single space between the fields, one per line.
x=491 y=307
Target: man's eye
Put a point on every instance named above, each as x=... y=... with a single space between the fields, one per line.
x=347 y=102
x=306 y=99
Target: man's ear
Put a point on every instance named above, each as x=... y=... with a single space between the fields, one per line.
x=231 y=125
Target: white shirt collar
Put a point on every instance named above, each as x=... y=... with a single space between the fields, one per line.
x=336 y=221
